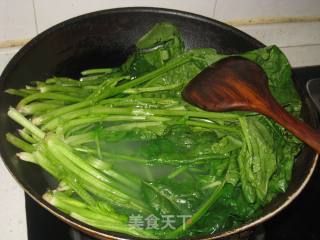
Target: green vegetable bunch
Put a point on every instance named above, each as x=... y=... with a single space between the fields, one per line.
x=121 y=142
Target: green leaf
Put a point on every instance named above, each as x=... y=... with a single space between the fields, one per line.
x=172 y=197
x=278 y=70
x=227 y=144
x=160 y=44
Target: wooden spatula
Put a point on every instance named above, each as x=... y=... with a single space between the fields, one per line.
x=236 y=83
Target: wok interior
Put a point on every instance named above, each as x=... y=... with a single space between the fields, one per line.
x=105 y=39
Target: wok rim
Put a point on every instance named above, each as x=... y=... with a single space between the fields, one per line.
x=104 y=234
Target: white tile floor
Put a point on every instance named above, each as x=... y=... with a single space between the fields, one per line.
x=303 y=55
x=17 y=19
x=12 y=215
x=284 y=34
x=231 y=9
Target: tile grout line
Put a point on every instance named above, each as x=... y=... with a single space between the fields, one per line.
x=214 y=8
x=13 y=43
x=35 y=16
x=272 y=20
x=301 y=45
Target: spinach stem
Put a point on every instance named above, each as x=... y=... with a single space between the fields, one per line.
x=195 y=217
x=19 y=118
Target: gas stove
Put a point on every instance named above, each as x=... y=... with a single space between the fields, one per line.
x=296 y=222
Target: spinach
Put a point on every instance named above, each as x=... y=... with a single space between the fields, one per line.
x=130 y=146
x=162 y=43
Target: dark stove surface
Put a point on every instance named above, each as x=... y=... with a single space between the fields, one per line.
x=296 y=222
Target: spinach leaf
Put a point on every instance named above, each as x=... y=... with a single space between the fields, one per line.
x=181 y=145
x=279 y=73
x=162 y=43
x=227 y=144
x=257 y=159
x=228 y=212
x=168 y=196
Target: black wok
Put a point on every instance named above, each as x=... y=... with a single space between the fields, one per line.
x=106 y=38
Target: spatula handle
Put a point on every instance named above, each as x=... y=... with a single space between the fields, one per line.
x=301 y=130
